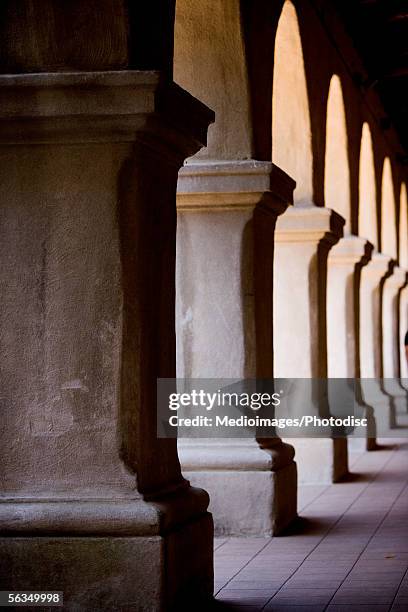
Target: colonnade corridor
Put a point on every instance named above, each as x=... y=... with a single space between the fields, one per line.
x=204 y=196
x=348 y=552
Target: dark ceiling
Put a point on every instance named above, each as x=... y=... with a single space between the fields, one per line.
x=379 y=29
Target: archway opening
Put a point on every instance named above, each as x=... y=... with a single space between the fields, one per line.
x=388 y=216
x=367 y=216
x=337 y=172
x=291 y=130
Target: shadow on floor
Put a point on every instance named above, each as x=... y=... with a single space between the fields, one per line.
x=214 y=606
x=304 y=526
x=354 y=477
x=384 y=447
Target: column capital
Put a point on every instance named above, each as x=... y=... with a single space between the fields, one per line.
x=398 y=279
x=309 y=224
x=224 y=317
x=379 y=266
x=112 y=106
x=233 y=185
x=351 y=250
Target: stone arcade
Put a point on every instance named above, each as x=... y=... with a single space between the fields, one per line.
x=208 y=189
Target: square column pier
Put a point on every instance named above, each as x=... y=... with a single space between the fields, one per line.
x=403 y=328
x=303 y=238
x=373 y=277
x=346 y=260
x=226 y=219
x=391 y=384
x=92 y=503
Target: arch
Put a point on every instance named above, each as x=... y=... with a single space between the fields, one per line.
x=291 y=130
x=403 y=228
x=336 y=165
x=388 y=209
x=367 y=215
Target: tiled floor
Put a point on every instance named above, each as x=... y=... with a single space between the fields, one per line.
x=348 y=552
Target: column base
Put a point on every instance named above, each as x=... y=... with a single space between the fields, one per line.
x=147 y=574
x=145 y=557
x=361 y=445
x=404 y=383
x=398 y=400
x=383 y=405
x=321 y=460
x=252 y=493
x=364 y=438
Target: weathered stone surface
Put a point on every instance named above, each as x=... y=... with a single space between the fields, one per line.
x=88 y=171
x=304 y=236
x=372 y=279
x=345 y=262
x=321 y=460
x=391 y=370
x=250 y=503
x=226 y=213
x=142 y=573
x=48 y=35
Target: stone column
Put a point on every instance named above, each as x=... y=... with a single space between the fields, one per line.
x=372 y=279
x=403 y=328
x=226 y=218
x=303 y=238
x=391 y=340
x=346 y=260
x=92 y=503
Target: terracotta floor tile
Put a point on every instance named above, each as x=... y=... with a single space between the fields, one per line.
x=351 y=555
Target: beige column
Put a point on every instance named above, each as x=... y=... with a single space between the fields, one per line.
x=372 y=279
x=226 y=218
x=346 y=260
x=393 y=285
x=303 y=238
x=403 y=328
x=92 y=503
